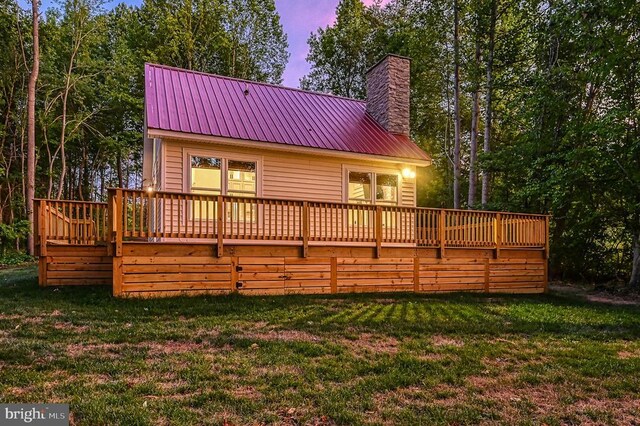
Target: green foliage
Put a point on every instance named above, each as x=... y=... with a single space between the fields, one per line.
x=15 y=258
x=10 y=234
x=565 y=135
x=90 y=91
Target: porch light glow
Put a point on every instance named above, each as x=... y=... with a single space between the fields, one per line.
x=407 y=173
x=149 y=189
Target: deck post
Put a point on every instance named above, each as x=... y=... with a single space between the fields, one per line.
x=42 y=227
x=334 y=275
x=546 y=254
x=220 y=230
x=546 y=237
x=378 y=231
x=110 y=221
x=117 y=222
x=118 y=219
x=442 y=232
x=498 y=234
x=416 y=274
x=305 y=229
x=487 y=276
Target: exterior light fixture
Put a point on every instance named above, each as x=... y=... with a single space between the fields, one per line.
x=407 y=173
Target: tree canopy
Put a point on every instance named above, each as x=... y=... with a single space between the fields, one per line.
x=562 y=78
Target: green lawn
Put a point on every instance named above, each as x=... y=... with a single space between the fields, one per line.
x=362 y=359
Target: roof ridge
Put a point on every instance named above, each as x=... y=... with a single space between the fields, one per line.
x=277 y=86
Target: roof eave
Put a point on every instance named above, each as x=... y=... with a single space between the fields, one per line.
x=275 y=146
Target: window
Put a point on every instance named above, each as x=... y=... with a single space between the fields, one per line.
x=206 y=178
x=241 y=181
x=241 y=178
x=206 y=175
x=216 y=176
x=360 y=188
x=386 y=189
x=361 y=191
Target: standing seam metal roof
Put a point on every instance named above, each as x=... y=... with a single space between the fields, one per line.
x=206 y=104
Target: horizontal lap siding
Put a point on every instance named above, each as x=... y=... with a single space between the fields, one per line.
x=77 y=265
x=284 y=175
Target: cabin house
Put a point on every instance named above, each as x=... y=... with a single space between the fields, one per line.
x=217 y=135
x=261 y=189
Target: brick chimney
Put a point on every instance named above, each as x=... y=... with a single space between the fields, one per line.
x=388 y=93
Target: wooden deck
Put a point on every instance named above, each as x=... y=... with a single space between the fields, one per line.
x=162 y=244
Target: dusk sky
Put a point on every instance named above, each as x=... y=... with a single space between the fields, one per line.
x=299 y=18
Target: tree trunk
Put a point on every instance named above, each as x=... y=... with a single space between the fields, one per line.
x=488 y=108
x=634 y=281
x=31 y=127
x=456 y=108
x=119 y=169
x=473 y=157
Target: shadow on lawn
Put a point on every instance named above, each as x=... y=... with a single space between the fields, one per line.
x=397 y=314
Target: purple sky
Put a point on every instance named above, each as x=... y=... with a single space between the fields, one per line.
x=299 y=18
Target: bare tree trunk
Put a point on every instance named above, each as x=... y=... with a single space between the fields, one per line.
x=63 y=131
x=456 y=108
x=473 y=157
x=31 y=126
x=488 y=111
x=119 y=169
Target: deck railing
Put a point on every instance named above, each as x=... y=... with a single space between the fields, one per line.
x=164 y=216
x=71 y=222
x=134 y=215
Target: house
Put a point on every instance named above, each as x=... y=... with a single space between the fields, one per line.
x=260 y=189
x=218 y=135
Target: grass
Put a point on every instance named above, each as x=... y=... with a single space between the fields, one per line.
x=357 y=359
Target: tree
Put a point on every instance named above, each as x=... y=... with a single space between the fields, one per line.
x=456 y=106
x=488 y=109
x=31 y=126
x=340 y=54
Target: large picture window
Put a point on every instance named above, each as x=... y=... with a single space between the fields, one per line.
x=223 y=176
x=371 y=188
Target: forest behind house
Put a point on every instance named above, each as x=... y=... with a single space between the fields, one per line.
x=528 y=106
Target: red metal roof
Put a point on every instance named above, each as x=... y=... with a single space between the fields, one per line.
x=205 y=104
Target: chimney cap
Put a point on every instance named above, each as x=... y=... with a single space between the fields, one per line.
x=385 y=57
